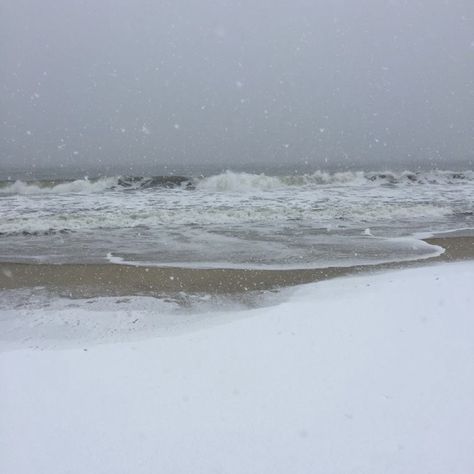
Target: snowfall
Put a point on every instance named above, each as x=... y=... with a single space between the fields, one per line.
x=363 y=374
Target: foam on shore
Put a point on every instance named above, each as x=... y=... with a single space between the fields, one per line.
x=87 y=280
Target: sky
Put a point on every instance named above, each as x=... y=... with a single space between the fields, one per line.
x=181 y=83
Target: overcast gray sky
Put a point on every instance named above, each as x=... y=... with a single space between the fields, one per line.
x=180 y=82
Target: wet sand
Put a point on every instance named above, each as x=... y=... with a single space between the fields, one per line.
x=88 y=280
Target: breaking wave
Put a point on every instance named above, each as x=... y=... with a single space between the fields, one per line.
x=56 y=187
x=96 y=185
x=241 y=182
x=230 y=181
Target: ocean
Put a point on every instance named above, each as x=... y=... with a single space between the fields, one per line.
x=233 y=220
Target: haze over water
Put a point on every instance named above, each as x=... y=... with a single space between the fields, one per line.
x=144 y=87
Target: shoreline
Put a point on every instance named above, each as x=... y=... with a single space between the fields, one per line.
x=107 y=279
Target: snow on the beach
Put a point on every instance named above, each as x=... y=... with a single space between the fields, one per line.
x=370 y=374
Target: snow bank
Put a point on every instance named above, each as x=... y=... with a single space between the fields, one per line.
x=368 y=374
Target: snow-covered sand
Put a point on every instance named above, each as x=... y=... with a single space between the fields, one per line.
x=371 y=374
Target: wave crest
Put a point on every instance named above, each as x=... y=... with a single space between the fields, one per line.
x=230 y=181
x=51 y=187
x=238 y=182
x=243 y=182
x=87 y=185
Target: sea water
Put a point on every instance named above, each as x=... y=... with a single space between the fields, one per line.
x=233 y=220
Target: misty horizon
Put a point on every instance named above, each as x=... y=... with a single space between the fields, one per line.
x=156 y=86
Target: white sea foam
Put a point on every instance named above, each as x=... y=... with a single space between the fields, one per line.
x=270 y=213
x=83 y=186
x=391 y=250
x=240 y=182
x=245 y=182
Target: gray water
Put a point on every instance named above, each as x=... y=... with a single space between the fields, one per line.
x=232 y=219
